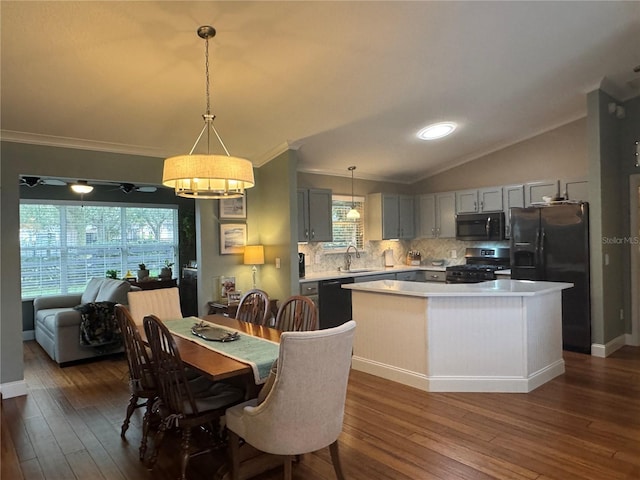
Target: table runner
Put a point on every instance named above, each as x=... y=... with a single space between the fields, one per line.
x=256 y=352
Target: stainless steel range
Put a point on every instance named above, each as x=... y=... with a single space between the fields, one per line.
x=481 y=265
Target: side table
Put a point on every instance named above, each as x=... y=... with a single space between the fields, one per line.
x=229 y=309
x=154 y=284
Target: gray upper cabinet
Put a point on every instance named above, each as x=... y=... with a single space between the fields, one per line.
x=576 y=189
x=406 y=217
x=314 y=215
x=490 y=199
x=467 y=201
x=512 y=196
x=479 y=200
x=436 y=215
x=534 y=191
x=390 y=216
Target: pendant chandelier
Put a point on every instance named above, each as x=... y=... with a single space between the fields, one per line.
x=208 y=176
x=353 y=214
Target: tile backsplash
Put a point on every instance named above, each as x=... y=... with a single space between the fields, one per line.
x=319 y=260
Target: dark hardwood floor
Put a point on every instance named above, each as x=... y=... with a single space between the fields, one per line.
x=582 y=425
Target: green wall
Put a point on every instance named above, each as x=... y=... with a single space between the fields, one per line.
x=22 y=159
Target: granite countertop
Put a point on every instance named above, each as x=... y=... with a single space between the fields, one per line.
x=361 y=272
x=494 y=288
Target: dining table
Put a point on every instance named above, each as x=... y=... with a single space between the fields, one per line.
x=213 y=364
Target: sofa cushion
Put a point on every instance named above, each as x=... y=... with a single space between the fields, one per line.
x=52 y=319
x=113 y=291
x=91 y=291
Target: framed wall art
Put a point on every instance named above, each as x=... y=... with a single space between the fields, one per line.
x=233 y=238
x=233 y=208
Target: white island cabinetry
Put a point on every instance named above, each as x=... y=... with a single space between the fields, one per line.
x=497 y=336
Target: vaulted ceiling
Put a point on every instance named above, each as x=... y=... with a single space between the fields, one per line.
x=346 y=83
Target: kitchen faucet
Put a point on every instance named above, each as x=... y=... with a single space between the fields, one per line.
x=347 y=256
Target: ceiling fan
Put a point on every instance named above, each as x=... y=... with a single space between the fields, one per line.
x=130 y=187
x=35 y=181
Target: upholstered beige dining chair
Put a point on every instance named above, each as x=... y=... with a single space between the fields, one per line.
x=164 y=303
x=304 y=410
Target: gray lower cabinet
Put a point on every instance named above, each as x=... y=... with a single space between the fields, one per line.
x=414 y=276
x=373 y=278
x=314 y=215
x=435 y=276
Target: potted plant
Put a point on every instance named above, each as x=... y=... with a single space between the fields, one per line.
x=112 y=274
x=165 y=272
x=143 y=273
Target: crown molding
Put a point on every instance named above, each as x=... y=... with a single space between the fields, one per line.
x=80 y=144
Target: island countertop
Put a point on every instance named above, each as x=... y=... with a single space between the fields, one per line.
x=495 y=288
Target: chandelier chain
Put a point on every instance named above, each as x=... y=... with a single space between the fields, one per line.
x=206 y=67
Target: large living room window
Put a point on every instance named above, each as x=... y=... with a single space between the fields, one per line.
x=346 y=232
x=64 y=244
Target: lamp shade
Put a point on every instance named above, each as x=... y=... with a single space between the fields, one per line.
x=353 y=214
x=254 y=255
x=208 y=176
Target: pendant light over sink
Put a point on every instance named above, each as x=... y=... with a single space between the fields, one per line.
x=353 y=214
x=206 y=176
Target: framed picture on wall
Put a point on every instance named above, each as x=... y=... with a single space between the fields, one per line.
x=233 y=238
x=233 y=207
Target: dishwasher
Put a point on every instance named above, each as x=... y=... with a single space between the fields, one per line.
x=334 y=302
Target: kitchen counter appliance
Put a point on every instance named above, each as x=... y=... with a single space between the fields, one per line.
x=334 y=302
x=480 y=226
x=551 y=243
x=481 y=266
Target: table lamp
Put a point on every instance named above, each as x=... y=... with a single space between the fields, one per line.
x=254 y=255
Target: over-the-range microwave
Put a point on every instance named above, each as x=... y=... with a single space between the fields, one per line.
x=480 y=226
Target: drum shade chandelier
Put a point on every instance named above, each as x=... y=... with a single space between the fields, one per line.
x=208 y=176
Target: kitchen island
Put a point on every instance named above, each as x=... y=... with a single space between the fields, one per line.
x=496 y=336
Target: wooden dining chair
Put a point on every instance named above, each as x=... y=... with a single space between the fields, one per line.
x=304 y=409
x=141 y=380
x=254 y=307
x=297 y=314
x=164 y=303
x=179 y=406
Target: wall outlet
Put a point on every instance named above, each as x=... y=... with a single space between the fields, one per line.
x=453 y=254
x=622 y=314
x=317 y=259
x=277 y=262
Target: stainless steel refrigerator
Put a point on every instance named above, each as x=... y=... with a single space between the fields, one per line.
x=552 y=243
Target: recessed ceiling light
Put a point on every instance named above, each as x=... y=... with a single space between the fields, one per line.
x=436 y=130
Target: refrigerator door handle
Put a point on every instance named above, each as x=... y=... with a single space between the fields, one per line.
x=542 y=259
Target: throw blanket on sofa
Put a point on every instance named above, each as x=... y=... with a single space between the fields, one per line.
x=99 y=326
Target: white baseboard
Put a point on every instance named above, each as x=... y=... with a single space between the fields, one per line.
x=603 y=351
x=13 y=389
x=631 y=339
x=459 y=383
x=28 y=335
